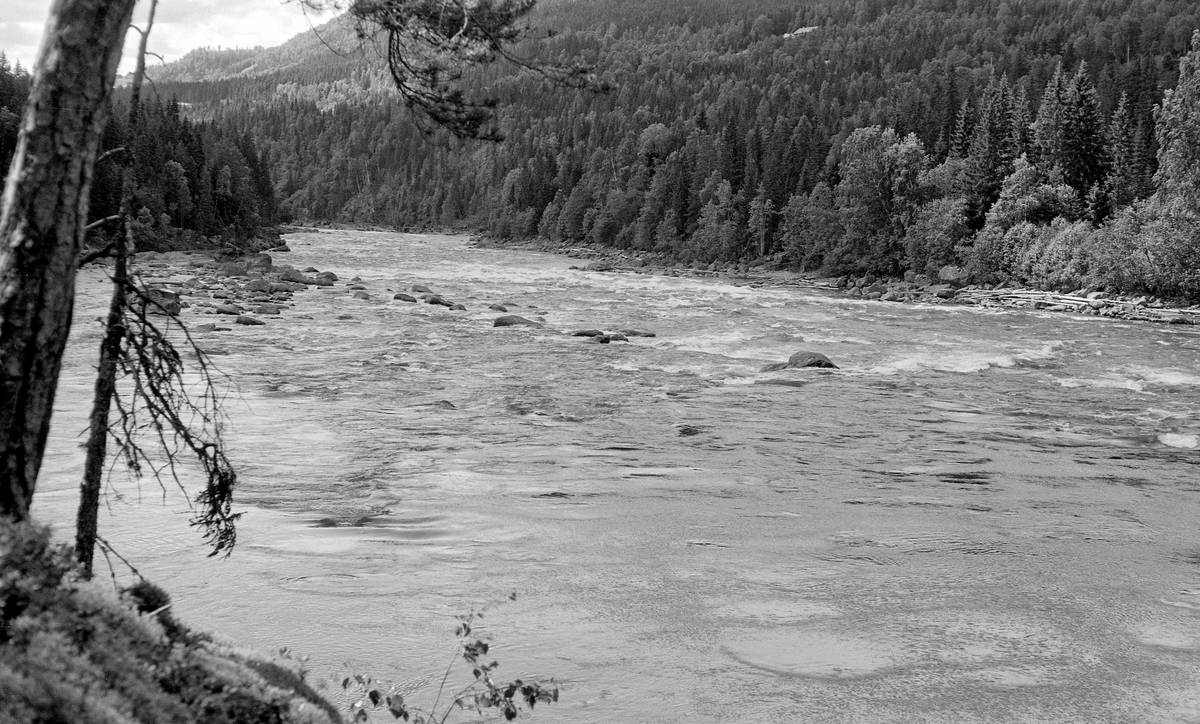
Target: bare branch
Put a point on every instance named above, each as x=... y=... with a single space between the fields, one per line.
x=100 y=222
x=110 y=152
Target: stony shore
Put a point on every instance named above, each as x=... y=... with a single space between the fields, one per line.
x=951 y=288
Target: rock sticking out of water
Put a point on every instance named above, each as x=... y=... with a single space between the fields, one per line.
x=405 y=297
x=607 y=338
x=512 y=320
x=800 y=360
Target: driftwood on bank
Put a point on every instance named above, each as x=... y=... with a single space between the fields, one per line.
x=1141 y=308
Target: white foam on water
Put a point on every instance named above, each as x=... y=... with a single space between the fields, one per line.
x=966 y=361
x=1179 y=440
x=1166 y=378
x=1109 y=382
x=727 y=344
x=1137 y=379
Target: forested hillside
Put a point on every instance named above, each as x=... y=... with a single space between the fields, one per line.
x=1013 y=138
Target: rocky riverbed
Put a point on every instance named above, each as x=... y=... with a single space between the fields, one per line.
x=980 y=514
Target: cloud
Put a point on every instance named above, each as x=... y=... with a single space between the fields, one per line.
x=19 y=40
x=179 y=26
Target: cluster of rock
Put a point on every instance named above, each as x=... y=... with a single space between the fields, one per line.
x=253 y=286
x=913 y=288
x=245 y=289
x=429 y=297
x=598 y=336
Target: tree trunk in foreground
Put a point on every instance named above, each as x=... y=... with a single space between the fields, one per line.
x=42 y=223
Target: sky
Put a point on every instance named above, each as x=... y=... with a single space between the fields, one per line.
x=179 y=26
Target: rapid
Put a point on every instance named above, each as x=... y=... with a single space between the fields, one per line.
x=983 y=516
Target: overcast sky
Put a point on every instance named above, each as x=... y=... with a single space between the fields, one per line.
x=179 y=26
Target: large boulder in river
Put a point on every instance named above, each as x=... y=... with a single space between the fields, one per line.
x=325 y=279
x=257 y=285
x=512 y=320
x=801 y=360
x=290 y=274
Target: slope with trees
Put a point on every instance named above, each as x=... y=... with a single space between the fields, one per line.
x=726 y=116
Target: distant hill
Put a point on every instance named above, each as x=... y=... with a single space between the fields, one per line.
x=332 y=43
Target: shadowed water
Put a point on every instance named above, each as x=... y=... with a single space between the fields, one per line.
x=983 y=516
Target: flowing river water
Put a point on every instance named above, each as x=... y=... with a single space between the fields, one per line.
x=983 y=516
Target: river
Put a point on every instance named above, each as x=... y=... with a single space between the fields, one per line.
x=983 y=516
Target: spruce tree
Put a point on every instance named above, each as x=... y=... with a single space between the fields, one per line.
x=993 y=150
x=964 y=128
x=1083 y=156
x=1123 y=179
x=1046 y=131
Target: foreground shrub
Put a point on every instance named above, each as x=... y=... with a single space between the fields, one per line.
x=71 y=654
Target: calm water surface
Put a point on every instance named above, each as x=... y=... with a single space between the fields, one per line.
x=984 y=516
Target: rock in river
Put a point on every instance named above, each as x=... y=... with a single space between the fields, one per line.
x=291 y=275
x=512 y=320
x=802 y=359
x=405 y=297
x=248 y=320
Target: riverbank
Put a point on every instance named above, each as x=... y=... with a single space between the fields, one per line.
x=914 y=288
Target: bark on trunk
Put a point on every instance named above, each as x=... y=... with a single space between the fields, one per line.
x=42 y=223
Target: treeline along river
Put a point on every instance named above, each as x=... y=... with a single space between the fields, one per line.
x=983 y=515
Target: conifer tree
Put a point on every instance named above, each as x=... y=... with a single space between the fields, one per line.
x=1083 y=157
x=1046 y=132
x=994 y=147
x=964 y=129
x=1124 y=177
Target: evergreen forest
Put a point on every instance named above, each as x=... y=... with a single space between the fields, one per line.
x=1047 y=143
x=198 y=184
